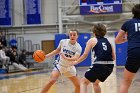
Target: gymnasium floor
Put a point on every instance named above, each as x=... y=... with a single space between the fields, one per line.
x=32 y=82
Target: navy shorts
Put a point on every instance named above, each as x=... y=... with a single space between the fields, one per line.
x=99 y=71
x=133 y=60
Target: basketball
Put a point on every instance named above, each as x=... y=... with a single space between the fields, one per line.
x=39 y=56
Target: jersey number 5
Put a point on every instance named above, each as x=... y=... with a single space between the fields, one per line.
x=104 y=46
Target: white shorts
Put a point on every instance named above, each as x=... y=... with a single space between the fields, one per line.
x=66 y=71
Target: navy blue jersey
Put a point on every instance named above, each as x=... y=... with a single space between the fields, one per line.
x=132 y=27
x=103 y=50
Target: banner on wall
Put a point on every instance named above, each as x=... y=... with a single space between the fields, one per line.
x=33 y=11
x=5 y=13
x=89 y=7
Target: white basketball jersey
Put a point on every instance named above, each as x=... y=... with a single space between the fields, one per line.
x=68 y=50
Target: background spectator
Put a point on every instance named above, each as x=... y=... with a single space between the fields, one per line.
x=4 y=59
x=22 y=58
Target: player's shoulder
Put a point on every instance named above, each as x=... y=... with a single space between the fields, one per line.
x=78 y=44
x=94 y=39
x=64 y=40
x=130 y=21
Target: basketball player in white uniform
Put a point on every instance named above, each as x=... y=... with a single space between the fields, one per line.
x=70 y=50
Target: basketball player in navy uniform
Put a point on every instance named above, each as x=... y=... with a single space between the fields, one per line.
x=102 y=65
x=130 y=31
x=71 y=50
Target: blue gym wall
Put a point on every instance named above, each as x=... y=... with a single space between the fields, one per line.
x=121 y=53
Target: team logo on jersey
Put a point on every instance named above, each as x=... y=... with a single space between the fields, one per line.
x=68 y=51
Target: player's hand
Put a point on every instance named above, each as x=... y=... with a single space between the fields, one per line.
x=46 y=56
x=72 y=63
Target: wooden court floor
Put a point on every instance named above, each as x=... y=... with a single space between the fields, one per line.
x=32 y=82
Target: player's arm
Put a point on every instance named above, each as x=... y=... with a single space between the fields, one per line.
x=86 y=52
x=121 y=37
x=54 y=52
